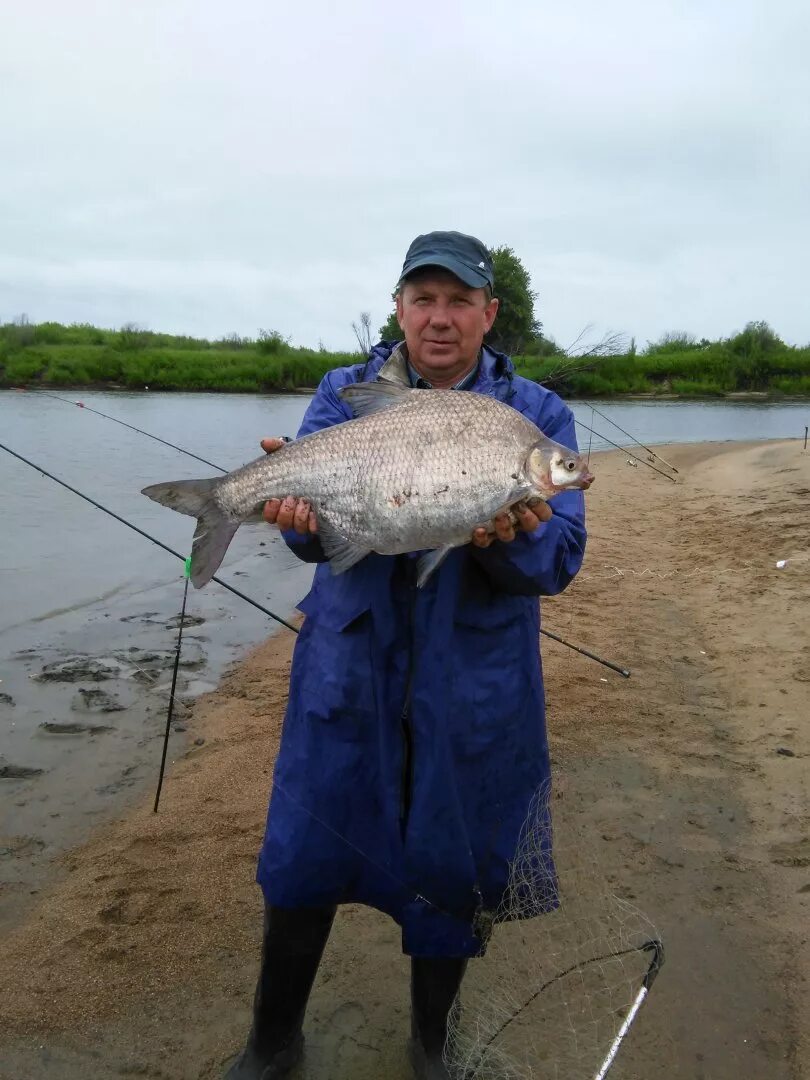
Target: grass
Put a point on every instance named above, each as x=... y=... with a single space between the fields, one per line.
x=50 y=354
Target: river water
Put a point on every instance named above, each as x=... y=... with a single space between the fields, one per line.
x=56 y=552
x=78 y=588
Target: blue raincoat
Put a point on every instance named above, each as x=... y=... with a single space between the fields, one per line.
x=415 y=737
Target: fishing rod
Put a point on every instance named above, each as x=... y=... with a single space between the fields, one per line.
x=123 y=423
x=629 y=436
x=141 y=532
x=231 y=588
x=584 y=652
x=175 y=672
x=625 y=451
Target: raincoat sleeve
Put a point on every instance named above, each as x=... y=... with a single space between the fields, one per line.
x=324 y=410
x=543 y=562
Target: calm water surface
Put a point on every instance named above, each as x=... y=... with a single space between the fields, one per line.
x=58 y=553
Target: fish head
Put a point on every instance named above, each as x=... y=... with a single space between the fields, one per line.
x=552 y=468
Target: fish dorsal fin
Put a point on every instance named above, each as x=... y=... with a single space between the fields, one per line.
x=367 y=398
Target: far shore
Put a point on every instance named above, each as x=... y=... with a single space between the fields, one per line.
x=736 y=396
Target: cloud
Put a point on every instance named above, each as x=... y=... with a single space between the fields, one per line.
x=205 y=168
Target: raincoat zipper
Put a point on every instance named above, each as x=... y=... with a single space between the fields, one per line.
x=406 y=780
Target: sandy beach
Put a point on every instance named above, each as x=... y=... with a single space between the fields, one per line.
x=138 y=959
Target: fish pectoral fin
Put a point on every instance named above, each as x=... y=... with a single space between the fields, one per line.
x=342 y=553
x=367 y=398
x=428 y=562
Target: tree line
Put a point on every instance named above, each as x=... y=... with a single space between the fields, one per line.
x=754 y=360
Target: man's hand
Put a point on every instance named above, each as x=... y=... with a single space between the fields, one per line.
x=521 y=518
x=288 y=513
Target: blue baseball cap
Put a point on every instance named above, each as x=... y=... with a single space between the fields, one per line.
x=465 y=256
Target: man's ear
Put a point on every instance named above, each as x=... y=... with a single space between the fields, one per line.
x=490 y=312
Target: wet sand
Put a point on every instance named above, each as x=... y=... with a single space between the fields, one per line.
x=691 y=777
x=84 y=701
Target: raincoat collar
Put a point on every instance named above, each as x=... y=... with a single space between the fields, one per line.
x=389 y=363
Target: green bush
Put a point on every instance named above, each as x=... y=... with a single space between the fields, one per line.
x=674 y=341
x=18 y=335
x=22 y=368
x=233 y=341
x=271 y=342
x=131 y=337
x=798 y=385
x=77 y=355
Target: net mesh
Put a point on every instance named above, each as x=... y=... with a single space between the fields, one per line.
x=564 y=965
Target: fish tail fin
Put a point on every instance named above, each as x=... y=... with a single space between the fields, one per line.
x=214 y=531
x=185 y=496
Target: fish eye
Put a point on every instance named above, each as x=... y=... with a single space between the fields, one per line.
x=570 y=464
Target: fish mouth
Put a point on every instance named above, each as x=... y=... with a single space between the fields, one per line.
x=586 y=480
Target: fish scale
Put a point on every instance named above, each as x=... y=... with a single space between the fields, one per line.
x=418 y=469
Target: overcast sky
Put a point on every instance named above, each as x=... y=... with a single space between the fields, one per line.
x=207 y=168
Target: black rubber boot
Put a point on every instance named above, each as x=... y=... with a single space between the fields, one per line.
x=435 y=983
x=291 y=951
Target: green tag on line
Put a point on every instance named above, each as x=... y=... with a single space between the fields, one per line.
x=188 y=566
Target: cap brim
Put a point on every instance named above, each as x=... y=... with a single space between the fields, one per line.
x=470 y=275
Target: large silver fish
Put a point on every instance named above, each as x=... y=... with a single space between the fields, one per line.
x=417 y=469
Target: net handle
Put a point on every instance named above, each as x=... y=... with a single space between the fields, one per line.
x=656 y=963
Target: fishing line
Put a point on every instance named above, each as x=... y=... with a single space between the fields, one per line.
x=379 y=866
x=664 y=575
x=625 y=451
x=187 y=573
x=123 y=423
x=629 y=436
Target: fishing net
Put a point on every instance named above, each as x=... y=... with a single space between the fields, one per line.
x=563 y=971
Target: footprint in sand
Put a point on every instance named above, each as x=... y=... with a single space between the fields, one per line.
x=17 y=772
x=792 y=853
x=95 y=700
x=54 y=727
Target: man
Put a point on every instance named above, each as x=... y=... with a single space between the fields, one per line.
x=414 y=737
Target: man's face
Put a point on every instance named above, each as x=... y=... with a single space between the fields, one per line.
x=444 y=322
